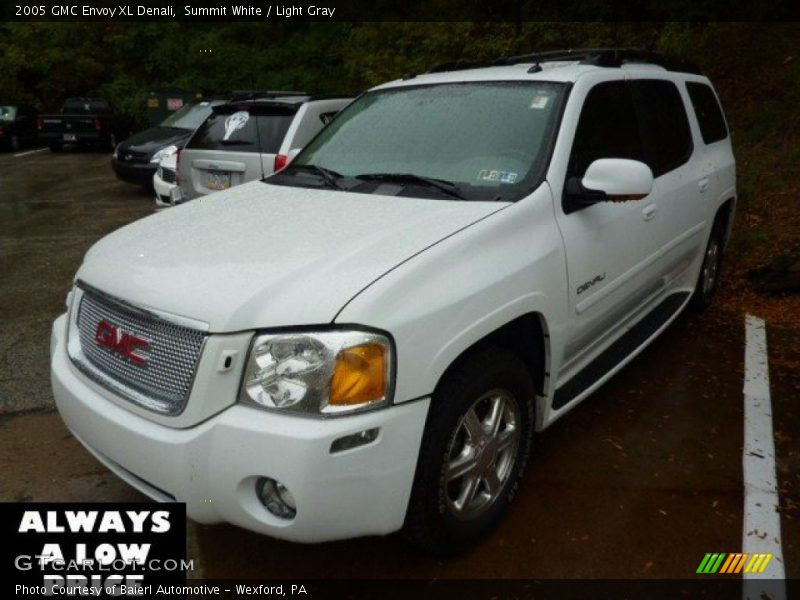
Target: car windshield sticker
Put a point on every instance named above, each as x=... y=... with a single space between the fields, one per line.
x=235 y=122
x=499 y=176
x=540 y=101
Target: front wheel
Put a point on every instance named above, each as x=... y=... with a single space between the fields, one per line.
x=474 y=451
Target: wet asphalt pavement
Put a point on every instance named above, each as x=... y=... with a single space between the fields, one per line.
x=640 y=481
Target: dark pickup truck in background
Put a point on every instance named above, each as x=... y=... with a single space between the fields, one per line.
x=84 y=122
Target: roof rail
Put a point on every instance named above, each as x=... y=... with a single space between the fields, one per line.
x=455 y=65
x=604 y=57
x=599 y=57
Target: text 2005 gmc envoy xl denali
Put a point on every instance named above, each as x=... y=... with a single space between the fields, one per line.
x=366 y=341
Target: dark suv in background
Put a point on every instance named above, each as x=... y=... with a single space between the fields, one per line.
x=84 y=122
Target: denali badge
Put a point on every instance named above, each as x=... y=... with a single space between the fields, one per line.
x=588 y=284
x=125 y=344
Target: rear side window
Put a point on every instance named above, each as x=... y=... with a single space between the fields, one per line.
x=665 y=126
x=240 y=130
x=708 y=111
x=607 y=128
x=327 y=117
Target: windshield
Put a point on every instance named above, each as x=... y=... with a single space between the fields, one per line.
x=189 y=117
x=8 y=113
x=484 y=140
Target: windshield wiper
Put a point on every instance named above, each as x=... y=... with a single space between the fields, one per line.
x=330 y=177
x=448 y=187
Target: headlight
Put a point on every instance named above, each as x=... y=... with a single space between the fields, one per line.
x=163 y=153
x=323 y=373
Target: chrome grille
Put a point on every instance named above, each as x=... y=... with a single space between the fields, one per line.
x=164 y=381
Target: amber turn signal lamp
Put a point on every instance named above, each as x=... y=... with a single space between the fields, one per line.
x=359 y=376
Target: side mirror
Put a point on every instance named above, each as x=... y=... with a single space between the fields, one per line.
x=608 y=180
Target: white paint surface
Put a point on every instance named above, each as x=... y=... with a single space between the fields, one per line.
x=29 y=152
x=762 y=526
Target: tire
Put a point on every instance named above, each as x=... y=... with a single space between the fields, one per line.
x=56 y=147
x=441 y=518
x=708 y=278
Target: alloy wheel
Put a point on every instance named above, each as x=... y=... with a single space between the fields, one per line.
x=481 y=454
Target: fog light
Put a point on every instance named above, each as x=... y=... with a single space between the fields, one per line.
x=355 y=440
x=276 y=498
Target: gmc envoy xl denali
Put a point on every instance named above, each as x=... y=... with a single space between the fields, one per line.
x=366 y=341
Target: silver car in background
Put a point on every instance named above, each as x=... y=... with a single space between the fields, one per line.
x=250 y=139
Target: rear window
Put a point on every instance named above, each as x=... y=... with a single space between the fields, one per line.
x=86 y=105
x=244 y=129
x=708 y=111
x=189 y=117
x=664 y=124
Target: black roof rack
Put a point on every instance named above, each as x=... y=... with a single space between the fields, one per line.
x=455 y=65
x=604 y=57
x=599 y=57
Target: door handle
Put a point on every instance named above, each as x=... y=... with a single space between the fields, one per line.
x=702 y=185
x=649 y=211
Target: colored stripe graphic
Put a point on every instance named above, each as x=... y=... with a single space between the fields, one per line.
x=741 y=563
x=701 y=568
x=720 y=562
x=727 y=564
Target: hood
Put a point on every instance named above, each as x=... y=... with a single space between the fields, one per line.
x=261 y=255
x=155 y=138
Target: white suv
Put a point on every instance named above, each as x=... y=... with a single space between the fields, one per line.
x=368 y=340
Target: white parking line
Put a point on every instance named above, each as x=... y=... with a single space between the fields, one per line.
x=762 y=525
x=29 y=152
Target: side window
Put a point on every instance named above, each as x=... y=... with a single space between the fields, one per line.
x=607 y=128
x=665 y=126
x=708 y=111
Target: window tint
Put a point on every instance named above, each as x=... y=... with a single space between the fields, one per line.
x=665 y=126
x=708 y=111
x=234 y=129
x=607 y=128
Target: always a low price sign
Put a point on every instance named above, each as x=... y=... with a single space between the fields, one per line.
x=97 y=549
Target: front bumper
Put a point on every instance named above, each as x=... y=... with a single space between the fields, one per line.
x=134 y=172
x=213 y=466
x=162 y=190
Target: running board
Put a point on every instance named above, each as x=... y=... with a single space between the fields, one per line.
x=619 y=350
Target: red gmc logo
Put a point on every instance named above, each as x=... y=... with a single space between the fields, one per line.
x=125 y=344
